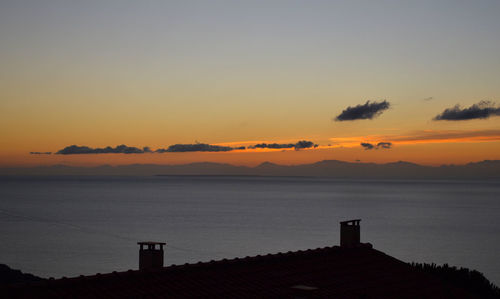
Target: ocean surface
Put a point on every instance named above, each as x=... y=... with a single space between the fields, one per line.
x=67 y=226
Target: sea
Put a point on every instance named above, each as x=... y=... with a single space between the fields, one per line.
x=55 y=226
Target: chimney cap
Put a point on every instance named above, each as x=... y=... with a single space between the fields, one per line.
x=151 y=243
x=349 y=222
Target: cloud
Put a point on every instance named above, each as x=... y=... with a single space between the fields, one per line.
x=428 y=99
x=446 y=136
x=365 y=111
x=385 y=145
x=273 y=145
x=380 y=145
x=305 y=144
x=481 y=110
x=197 y=147
x=367 y=146
x=40 y=153
x=177 y=148
x=120 y=149
x=421 y=137
x=297 y=146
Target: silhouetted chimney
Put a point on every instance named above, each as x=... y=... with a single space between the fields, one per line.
x=150 y=258
x=350 y=233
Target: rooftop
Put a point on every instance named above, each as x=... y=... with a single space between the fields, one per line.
x=330 y=272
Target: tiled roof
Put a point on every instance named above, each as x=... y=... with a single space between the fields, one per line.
x=330 y=272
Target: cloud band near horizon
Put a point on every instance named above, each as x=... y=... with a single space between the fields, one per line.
x=377 y=141
x=421 y=137
x=178 y=148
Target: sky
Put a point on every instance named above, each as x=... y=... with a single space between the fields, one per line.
x=341 y=74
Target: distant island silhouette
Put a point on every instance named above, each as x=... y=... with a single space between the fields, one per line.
x=488 y=169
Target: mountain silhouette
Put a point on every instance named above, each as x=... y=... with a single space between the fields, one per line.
x=488 y=169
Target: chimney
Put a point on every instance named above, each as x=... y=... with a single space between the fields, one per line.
x=150 y=256
x=349 y=233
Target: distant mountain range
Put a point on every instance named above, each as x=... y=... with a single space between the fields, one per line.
x=488 y=169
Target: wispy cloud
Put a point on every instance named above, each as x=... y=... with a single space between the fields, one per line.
x=40 y=153
x=432 y=136
x=420 y=137
x=481 y=110
x=368 y=110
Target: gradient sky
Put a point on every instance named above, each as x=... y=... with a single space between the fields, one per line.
x=157 y=73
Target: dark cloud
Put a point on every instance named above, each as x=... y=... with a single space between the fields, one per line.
x=197 y=147
x=428 y=99
x=297 y=146
x=40 y=153
x=385 y=145
x=366 y=111
x=273 y=145
x=176 y=148
x=367 y=146
x=305 y=144
x=380 y=145
x=120 y=149
x=481 y=110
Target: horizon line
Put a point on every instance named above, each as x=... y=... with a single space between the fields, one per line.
x=246 y=166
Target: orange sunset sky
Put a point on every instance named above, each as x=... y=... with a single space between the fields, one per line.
x=233 y=73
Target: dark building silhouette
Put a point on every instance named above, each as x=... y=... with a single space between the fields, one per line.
x=150 y=255
x=352 y=271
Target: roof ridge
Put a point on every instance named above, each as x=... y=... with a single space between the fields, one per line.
x=224 y=261
x=211 y=263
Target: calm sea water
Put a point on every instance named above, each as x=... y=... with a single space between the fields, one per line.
x=67 y=226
